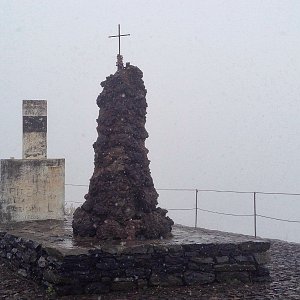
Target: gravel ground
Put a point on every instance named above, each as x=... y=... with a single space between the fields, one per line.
x=284 y=268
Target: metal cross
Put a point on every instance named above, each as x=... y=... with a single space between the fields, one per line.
x=119 y=36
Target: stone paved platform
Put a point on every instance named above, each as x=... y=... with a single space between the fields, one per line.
x=47 y=252
x=284 y=267
x=58 y=234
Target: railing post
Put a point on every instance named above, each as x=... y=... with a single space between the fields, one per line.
x=254 y=214
x=196 y=212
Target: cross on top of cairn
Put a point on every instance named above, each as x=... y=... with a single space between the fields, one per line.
x=119 y=56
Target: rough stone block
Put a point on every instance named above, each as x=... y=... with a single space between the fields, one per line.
x=200 y=267
x=52 y=276
x=261 y=271
x=123 y=284
x=231 y=277
x=138 y=272
x=175 y=260
x=262 y=258
x=234 y=267
x=228 y=249
x=69 y=289
x=142 y=283
x=202 y=260
x=96 y=288
x=244 y=259
x=191 y=277
x=107 y=264
x=252 y=247
x=170 y=269
x=165 y=280
x=222 y=259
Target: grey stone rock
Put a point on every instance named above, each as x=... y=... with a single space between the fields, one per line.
x=191 y=277
x=200 y=267
x=142 y=283
x=113 y=273
x=222 y=259
x=175 y=250
x=202 y=260
x=69 y=289
x=146 y=260
x=96 y=288
x=260 y=272
x=42 y=262
x=244 y=259
x=3 y=253
x=165 y=280
x=154 y=280
x=172 y=280
x=22 y=272
x=232 y=277
x=234 y=267
x=50 y=251
x=262 y=258
x=170 y=269
x=191 y=254
x=175 y=260
x=123 y=286
x=228 y=249
x=52 y=276
x=138 y=273
x=126 y=261
x=252 y=247
x=107 y=264
x=34 y=245
x=140 y=249
x=161 y=249
x=206 y=250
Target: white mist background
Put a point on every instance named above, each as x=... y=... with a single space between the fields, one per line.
x=223 y=95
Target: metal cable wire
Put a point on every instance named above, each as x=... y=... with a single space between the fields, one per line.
x=248 y=215
x=225 y=214
x=211 y=211
x=180 y=208
x=211 y=190
x=186 y=190
x=249 y=192
x=278 y=219
x=72 y=184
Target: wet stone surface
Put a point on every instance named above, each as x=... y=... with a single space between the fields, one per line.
x=58 y=234
x=47 y=252
x=284 y=268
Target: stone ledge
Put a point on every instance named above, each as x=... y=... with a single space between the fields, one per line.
x=126 y=266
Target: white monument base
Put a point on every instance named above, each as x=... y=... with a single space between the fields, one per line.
x=31 y=189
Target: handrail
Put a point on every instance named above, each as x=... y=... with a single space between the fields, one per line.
x=255 y=215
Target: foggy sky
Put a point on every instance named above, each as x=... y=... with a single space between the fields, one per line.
x=222 y=80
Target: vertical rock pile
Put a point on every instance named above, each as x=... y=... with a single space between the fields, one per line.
x=121 y=202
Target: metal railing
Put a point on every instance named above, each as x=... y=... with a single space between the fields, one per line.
x=254 y=215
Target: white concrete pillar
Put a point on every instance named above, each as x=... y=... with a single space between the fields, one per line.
x=34 y=129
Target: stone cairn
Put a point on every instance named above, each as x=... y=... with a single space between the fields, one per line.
x=121 y=201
